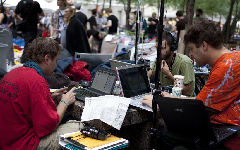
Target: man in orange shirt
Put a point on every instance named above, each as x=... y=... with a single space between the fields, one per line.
x=222 y=90
x=221 y=94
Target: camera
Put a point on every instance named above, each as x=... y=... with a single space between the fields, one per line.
x=94 y=133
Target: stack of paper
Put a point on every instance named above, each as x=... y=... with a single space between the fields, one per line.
x=109 y=109
x=77 y=141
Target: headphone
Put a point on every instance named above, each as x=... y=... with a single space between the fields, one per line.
x=173 y=47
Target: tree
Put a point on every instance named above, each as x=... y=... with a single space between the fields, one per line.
x=189 y=17
x=177 y=4
x=127 y=10
x=189 y=12
x=233 y=25
x=2 y=2
x=211 y=8
x=226 y=27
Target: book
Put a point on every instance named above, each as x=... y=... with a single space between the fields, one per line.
x=78 y=141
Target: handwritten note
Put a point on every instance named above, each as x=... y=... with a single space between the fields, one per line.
x=109 y=109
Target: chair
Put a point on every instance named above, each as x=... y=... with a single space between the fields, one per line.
x=6 y=38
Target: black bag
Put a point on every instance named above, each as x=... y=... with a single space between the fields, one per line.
x=21 y=26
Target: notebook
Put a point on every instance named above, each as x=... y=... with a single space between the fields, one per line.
x=78 y=141
x=187 y=120
x=103 y=57
x=134 y=84
x=102 y=84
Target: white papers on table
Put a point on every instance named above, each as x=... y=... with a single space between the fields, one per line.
x=109 y=109
x=108 y=38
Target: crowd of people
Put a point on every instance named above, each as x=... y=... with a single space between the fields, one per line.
x=96 y=27
x=32 y=115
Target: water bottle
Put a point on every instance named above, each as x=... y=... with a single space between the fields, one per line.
x=116 y=90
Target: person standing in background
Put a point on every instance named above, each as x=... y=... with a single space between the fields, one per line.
x=199 y=13
x=167 y=25
x=3 y=17
x=180 y=23
x=75 y=36
x=92 y=20
x=142 y=21
x=101 y=20
x=81 y=16
x=112 y=22
x=57 y=20
x=152 y=26
x=31 y=10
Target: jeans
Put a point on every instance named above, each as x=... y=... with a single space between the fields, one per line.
x=29 y=35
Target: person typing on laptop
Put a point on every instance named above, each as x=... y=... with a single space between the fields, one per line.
x=221 y=92
x=29 y=116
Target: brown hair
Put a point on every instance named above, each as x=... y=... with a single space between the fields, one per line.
x=205 y=30
x=109 y=10
x=72 y=11
x=40 y=47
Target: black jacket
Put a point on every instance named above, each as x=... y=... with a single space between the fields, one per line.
x=76 y=38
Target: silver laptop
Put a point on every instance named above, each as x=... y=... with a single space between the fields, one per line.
x=134 y=84
x=103 y=57
x=116 y=63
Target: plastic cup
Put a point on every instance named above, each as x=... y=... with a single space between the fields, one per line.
x=178 y=81
x=176 y=92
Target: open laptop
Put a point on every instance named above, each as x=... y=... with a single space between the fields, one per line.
x=103 y=57
x=187 y=120
x=134 y=84
x=102 y=84
x=116 y=63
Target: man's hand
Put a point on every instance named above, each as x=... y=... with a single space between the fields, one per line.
x=166 y=94
x=147 y=99
x=57 y=95
x=69 y=96
x=165 y=68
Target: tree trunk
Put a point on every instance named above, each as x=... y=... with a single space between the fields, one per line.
x=103 y=5
x=110 y=3
x=189 y=12
x=228 y=21
x=2 y=2
x=236 y=13
x=183 y=5
x=189 y=17
x=127 y=14
x=233 y=25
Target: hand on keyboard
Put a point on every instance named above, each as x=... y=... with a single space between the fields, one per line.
x=147 y=99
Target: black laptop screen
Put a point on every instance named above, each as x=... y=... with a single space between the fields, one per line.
x=134 y=81
x=104 y=80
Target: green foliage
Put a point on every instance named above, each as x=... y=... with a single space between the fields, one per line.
x=213 y=7
x=177 y=4
x=209 y=7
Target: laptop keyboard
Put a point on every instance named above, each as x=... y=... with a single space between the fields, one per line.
x=83 y=92
x=136 y=102
x=223 y=134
